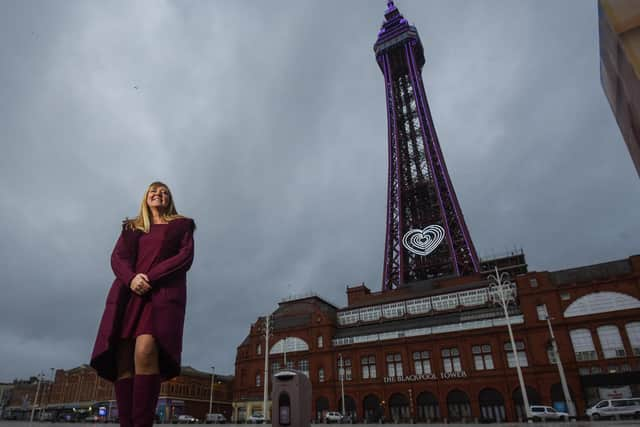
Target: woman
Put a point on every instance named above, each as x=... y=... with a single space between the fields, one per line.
x=139 y=341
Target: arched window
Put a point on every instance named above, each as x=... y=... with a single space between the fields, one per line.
x=399 y=407
x=491 y=405
x=601 y=302
x=458 y=405
x=633 y=332
x=258 y=382
x=321 y=375
x=320 y=341
x=583 y=345
x=259 y=349
x=611 y=342
x=291 y=344
x=427 y=407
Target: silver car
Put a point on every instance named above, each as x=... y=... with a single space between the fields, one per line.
x=544 y=413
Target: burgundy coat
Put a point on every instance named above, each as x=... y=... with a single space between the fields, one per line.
x=168 y=279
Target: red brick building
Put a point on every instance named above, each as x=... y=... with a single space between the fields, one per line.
x=438 y=349
x=77 y=393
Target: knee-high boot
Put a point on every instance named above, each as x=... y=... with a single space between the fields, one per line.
x=124 y=399
x=146 y=389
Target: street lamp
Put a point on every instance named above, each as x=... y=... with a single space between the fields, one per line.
x=213 y=374
x=341 y=374
x=268 y=330
x=563 y=380
x=35 y=400
x=502 y=291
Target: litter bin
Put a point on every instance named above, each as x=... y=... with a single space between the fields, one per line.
x=291 y=399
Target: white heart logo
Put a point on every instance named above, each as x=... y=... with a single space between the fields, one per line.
x=423 y=242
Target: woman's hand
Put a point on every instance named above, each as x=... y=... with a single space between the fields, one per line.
x=140 y=284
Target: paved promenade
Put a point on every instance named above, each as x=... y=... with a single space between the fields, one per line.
x=622 y=423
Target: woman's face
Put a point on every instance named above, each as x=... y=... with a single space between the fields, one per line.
x=158 y=197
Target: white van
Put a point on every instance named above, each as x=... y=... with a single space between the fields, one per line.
x=615 y=407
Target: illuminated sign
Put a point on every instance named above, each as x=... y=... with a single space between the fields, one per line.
x=423 y=242
x=425 y=377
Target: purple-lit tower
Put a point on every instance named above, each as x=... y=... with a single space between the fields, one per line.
x=426 y=233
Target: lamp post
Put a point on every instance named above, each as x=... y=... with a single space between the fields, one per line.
x=213 y=375
x=563 y=380
x=341 y=374
x=267 y=334
x=35 y=400
x=502 y=291
x=48 y=388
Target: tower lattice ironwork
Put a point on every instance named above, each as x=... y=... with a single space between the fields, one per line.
x=422 y=207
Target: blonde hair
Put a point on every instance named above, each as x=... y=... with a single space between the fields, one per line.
x=143 y=221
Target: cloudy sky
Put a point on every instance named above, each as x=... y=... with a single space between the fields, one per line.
x=267 y=119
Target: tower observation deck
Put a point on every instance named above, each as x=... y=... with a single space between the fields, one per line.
x=426 y=235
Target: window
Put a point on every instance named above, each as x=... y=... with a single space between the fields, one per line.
x=320 y=341
x=482 y=358
x=394 y=365
x=601 y=302
x=633 y=332
x=522 y=355
x=583 y=345
x=551 y=354
x=422 y=362
x=290 y=364
x=257 y=380
x=611 y=342
x=533 y=282
x=368 y=367
x=275 y=367
x=473 y=297
x=321 y=375
x=303 y=365
x=444 y=302
x=259 y=349
x=451 y=359
x=392 y=310
x=542 y=311
x=370 y=313
x=348 y=317
x=419 y=306
x=345 y=369
x=289 y=345
x=596 y=370
x=584 y=371
x=564 y=297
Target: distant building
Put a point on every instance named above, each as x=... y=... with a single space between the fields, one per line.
x=5 y=394
x=619 y=22
x=439 y=349
x=79 y=392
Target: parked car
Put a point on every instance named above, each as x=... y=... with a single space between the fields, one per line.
x=544 y=413
x=615 y=407
x=185 y=419
x=47 y=416
x=215 y=419
x=92 y=419
x=333 y=417
x=256 y=418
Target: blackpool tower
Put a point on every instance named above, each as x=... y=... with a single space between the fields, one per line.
x=426 y=233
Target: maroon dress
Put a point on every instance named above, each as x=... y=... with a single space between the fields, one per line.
x=137 y=318
x=165 y=254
